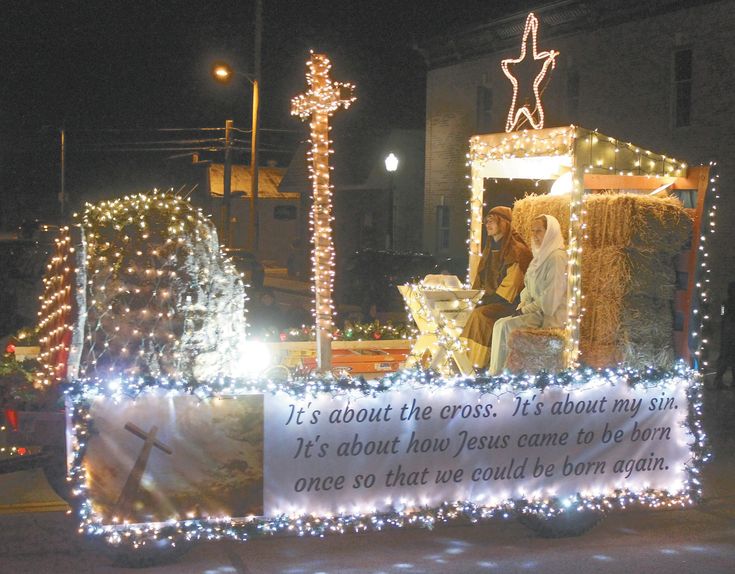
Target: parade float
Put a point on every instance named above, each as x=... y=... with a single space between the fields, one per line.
x=172 y=441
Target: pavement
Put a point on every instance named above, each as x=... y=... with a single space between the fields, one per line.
x=699 y=539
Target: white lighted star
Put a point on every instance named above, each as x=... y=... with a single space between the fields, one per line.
x=535 y=116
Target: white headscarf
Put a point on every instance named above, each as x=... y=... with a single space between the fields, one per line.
x=551 y=242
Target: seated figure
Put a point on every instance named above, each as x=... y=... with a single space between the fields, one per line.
x=543 y=301
x=500 y=273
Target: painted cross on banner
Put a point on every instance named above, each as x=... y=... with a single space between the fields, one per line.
x=129 y=493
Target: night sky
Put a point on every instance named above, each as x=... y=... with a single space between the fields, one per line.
x=136 y=67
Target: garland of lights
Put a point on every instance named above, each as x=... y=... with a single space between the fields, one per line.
x=516 y=115
x=443 y=328
x=82 y=392
x=703 y=281
x=593 y=146
x=152 y=293
x=318 y=104
x=55 y=330
x=353 y=332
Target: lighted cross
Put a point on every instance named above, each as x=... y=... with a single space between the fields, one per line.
x=129 y=493
x=321 y=101
x=534 y=116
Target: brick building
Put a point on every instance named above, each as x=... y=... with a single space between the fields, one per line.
x=658 y=73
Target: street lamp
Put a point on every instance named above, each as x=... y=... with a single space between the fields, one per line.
x=224 y=73
x=391 y=165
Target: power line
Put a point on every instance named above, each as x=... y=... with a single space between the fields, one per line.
x=127 y=130
x=198 y=148
x=155 y=142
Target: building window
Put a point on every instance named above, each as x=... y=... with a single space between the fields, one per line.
x=484 y=109
x=284 y=212
x=442 y=227
x=682 y=88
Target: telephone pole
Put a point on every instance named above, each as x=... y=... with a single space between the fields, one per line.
x=227 y=187
x=62 y=190
x=254 y=228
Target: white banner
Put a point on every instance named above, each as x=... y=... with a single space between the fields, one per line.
x=424 y=447
x=165 y=456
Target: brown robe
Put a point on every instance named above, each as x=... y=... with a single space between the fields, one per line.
x=500 y=273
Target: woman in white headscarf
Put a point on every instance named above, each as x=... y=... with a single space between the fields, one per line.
x=543 y=299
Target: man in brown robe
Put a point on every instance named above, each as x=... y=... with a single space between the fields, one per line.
x=500 y=273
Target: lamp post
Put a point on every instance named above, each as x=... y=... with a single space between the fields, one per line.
x=224 y=73
x=391 y=165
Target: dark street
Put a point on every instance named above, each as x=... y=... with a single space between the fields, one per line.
x=700 y=539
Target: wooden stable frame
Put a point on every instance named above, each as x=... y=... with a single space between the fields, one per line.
x=595 y=162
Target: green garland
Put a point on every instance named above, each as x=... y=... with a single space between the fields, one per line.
x=16 y=384
x=82 y=392
x=375 y=331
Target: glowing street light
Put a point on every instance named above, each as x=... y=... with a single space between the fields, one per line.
x=224 y=73
x=391 y=165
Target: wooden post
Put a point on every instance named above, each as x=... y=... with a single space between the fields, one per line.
x=227 y=187
x=321 y=100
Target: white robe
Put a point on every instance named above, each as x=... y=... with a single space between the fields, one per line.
x=543 y=305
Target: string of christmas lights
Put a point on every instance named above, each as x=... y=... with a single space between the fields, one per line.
x=701 y=310
x=82 y=392
x=534 y=116
x=351 y=332
x=318 y=104
x=597 y=153
x=441 y=326
x=54 y=326
x=153 y=290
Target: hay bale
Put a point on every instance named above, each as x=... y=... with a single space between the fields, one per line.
x=535 y=350
x=627 y=304
x=598 y=356
x=531 y=206
x=653 y=273
x=628 y=272
x=643 y=222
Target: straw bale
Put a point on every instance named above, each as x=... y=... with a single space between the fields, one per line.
x=643 y=222
x=598 y=356
x=535 y=350
x=648 y=355
x=653 y=274
x=642 y=337
x=628 y=273
x=628 y=306
x=531 y=206
x=646 y=223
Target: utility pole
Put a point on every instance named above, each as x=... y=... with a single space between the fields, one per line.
x=254 y=228
x=62 y=192
x=227 y=187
